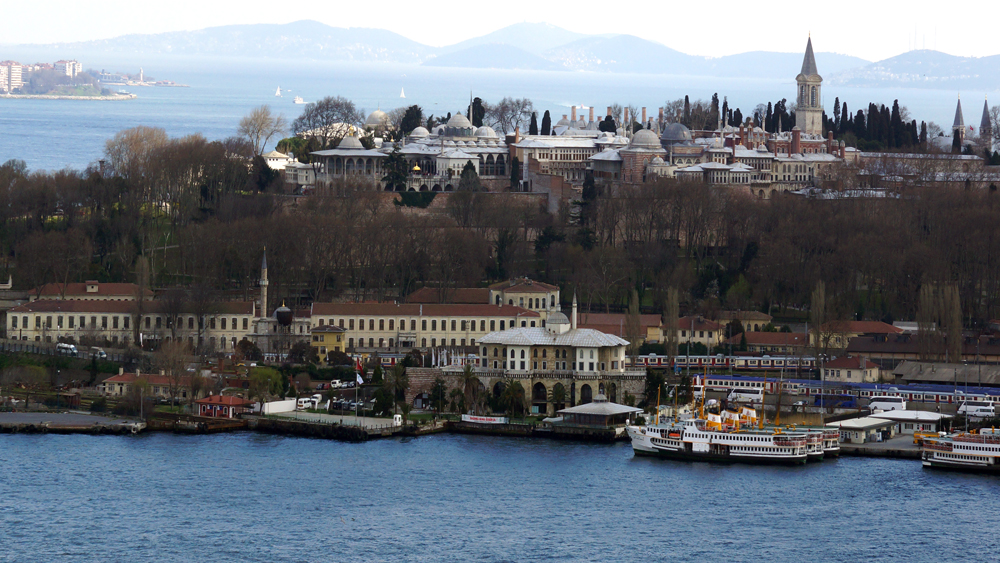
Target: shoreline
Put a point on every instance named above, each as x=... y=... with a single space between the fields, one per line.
x=112 y=98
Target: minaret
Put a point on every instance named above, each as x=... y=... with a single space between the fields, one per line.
x=263 y=285
x=573 y=321
x=958 y=128
x=809 y=105
x=986 y=128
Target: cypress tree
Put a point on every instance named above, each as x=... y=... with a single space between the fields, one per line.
x=769 y=119
x=546 y=123
x=860 y=129
x=737 y=118
x=533 y=127
x=836 y=115
x=726 y=116
x=608 y=125
x=923 y=134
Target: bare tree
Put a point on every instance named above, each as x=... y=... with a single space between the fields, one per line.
x=260 y=125
x=509 y=114
x=328 y=120
x=129 y=153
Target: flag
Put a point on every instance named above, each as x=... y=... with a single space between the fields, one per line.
x=360 y=381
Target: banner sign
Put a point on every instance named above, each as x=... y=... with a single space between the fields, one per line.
x=484 y=419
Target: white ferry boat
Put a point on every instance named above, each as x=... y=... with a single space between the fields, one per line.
x=298 y=100
x=964 y=451
x=705 y=439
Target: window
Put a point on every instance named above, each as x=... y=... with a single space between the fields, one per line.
x=493 y=325
x=501 y=325
x=544 y=365
x=522 y=365
x=683 y=333
x=211 y=326
x=244 y=324
x=522 y=354
x=148 y=319
x=371 y=325
x=433 y=342
x=472 y=342
x=104 y=322
x=59 y=321
x=190 y=323
x=482 y=326
x=534 y=353
x=452 y=325
x=452 y=341
x=423 y=324
x=371 y=342
x=24 y=321
x=340 y=323
x=381 y=324
x=534 y=365
x=48 y=321
x=350 y=342
x=465 y=325
x=222 y=323
x=413 y=324
x=392 y=324
x=701 y=334
x=93 y=322
x=361 y=324
x=591 y=368
x=125 y=322
x=434 y=325
x=13 y=322
x=233 y=325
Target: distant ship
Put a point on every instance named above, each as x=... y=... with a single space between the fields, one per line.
x=401 y=93
x=278 y=92
x=299 y=100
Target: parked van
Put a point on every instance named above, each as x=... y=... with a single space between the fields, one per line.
x=698 y=392
x=977 y=409
x=64 y=349
x=306 y=403
x=336 y=384
x=886 y=403
x=98 y=353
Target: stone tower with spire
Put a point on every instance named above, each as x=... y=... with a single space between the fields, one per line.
x=809 y=104
x=958 y=129
x=263 y=285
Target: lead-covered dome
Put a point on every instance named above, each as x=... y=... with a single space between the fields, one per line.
x=486 y=132
x=419 y=133
x=645 y=139
x=676 y=133
x=459 y=121
x=378 y=118
x=350 y=142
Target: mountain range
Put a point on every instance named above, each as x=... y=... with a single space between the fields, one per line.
x=537 y=47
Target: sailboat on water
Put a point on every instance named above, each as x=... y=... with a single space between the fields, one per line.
x=278 y=92
x=402 y=94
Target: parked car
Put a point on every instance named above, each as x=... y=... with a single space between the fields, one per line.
x=64 y=349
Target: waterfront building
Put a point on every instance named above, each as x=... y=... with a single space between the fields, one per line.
x=908 y=422
x=223 y=406
x=559 y=363
x=158 y=385
x=276 y=160
x=68 y=68
x=838 y=334
x=956 y=375
x=782 y=343
x=600 y=413
x=13 y=76
x=864 y=429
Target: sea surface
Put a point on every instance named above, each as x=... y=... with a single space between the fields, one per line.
x=250 y=497
x=55 y=134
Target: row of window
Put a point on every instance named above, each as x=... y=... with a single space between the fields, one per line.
x=456 y=325
x=123 y=322
x=392 y=342
x=701 y=334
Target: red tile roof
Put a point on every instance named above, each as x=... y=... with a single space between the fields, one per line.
x=524 y=285
x=615 y=323
x=151 y=378
x=860 y=327
x=697 y=323
x=227 y=400
x=126 y=307
x=470 y=295
x=849 y=362
x=414 y=309
x=772 y=339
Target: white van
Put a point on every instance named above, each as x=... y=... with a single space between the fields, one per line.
x=886 y=403
x=306 y=403
x=977 y=409
x=65 y=349
x=746 y=396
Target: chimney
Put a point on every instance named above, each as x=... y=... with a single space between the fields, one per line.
x=591 y=114
x=573 y=320
x=843 y=150
x=624 y=121
x=796 y=140
x=742 y=139
x=609 y=111
x=572 y=112
x=643 y=116
x=829 y=142
x=659 y=122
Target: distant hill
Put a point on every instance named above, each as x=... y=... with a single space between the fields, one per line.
x=301 y=39
x=765 y=64
x=926 y=69
x=493 y=55
x=621 y=53
x=535 y=38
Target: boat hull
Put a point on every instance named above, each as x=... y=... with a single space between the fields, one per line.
x=717 y=458
x=961 y=467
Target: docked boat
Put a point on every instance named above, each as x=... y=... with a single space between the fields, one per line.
x=709 y=439
x=964 y=451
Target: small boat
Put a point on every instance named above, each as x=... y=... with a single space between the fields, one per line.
x=401 y=93
x=964 y=451
x=299 y=100
x=278 y=92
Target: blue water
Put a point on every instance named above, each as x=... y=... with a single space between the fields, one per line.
x=52 y=134
x=248 y=497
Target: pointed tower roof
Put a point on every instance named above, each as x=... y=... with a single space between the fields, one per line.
x=809 y=61
x=959 y=120
x=984 y=123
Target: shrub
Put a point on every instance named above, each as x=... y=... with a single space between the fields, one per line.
x=99 y=405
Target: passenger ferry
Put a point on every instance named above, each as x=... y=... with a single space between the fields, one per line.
x=728 y=437
x=964 y=451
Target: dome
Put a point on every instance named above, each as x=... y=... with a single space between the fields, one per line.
x=656 y=161
x=378 y=118
x=486 y=132
x=580 y=124
x=645 y=139
x=350 y=142
x=762 y=148
x=459 y=121
x=283 y=315
x=676 y=133
x=556 y=318
x=420 y=132
x=563 y=122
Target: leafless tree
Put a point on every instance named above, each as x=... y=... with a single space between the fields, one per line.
x=509 y=114
x=328 y=119
x=260 y=125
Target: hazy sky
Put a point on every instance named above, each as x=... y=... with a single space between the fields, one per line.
x=869 y=29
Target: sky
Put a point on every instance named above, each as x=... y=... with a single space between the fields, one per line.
x=866 y=29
